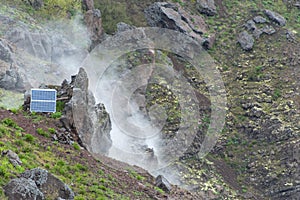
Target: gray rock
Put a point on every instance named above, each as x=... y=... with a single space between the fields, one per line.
x=93 y=22
x=208 y=42
x=5 y=51
x=51 y=186
x=46 y=45
x=291 y=192
x=81 y=80
x=246 y=40
x=94 y=135
x=13 y=157
x=23 y=189
x=297 y=4
x=39 y=176
x=250 y=25
x=163 y=183
x=268 y=30
x=275 y=17
x=257 y=33
x=63 y=136
x=173 y=16
x=290 y=36
x=259 y=19
x=121 y=26
x=36 y=43
x=81 y=113
x=11 y=80
x=207 y=7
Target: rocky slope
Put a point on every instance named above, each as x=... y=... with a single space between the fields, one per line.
x=34 y=139
x=255 y=45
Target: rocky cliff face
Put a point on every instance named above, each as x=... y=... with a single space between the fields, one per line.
x=173 y=16
x=32 y=54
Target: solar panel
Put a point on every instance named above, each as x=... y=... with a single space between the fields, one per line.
x=43 y=100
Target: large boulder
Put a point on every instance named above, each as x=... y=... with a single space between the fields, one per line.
x=37 y=184
x=275 y=17
x=51 y=186
x=246 y=40
x=207 y=7
x=10 y=76
x=23 y=189
x=173 y=16
x=11 y=80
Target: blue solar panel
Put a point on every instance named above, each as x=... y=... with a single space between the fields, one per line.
x=43 y=95
x=43 y=100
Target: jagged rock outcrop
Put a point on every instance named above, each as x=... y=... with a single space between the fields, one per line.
x=82 y=114
x=93 y=21
x=91 y=120
x=207 y=7
x=246 y=40
x=275 y=17
x=173 y=16
x=10 y=78
x=37 y=184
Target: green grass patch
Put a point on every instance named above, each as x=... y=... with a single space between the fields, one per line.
x=29 y=138
x=11 y=123
x=56 y=115
x=41 y=132
x=135 y=175
x=76 y=146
